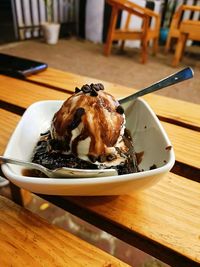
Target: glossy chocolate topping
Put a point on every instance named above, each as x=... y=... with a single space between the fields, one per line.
x=91 y=113
x=88 y=132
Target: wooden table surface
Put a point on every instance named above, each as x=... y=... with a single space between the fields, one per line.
x=163 y=220
x=27 y=240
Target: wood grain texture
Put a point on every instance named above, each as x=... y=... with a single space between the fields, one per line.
x=166 y=217
x=8 y=122
x=23 y=94
x=186 y=144
x=176 y=110
x=27 y=240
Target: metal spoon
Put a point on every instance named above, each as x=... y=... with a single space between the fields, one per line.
x=177 y=77
x=180 y=76
x=60 y=172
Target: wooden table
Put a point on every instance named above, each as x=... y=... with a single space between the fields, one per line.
x=163 y=220
x=27 y=240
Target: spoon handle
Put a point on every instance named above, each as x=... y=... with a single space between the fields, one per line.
x=177 y=77
x=29 y=165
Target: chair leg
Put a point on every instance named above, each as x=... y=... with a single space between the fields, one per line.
x=126 y=28
x=184 y=45
x=145 y=39
x=155 y=46
x=179 y=49
x=113 y=21
x=122 y=45
x=167 y=45
x=144 y=51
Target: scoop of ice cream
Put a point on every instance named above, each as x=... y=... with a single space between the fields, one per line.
x=91 y=126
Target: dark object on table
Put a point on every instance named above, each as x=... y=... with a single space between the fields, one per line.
x=19 y=67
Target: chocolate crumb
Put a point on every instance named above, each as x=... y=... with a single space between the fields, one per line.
x=120 y=110
x=153 y=167
x=168 y=147
x=45 y=133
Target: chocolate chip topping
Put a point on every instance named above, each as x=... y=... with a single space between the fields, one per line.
x=100 y=85
x=86 y=88
x=93 y=92
x=120 y=110
x=97 y=86
x=92 y=88
x=77 y=118
x=77 y=90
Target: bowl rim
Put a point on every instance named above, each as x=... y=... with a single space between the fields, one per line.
x=93 y=180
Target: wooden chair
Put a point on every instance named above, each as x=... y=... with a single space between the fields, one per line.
x=175 y=26
x=189 y=29
x=145 y=34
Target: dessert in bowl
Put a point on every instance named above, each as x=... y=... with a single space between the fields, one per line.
x=90 y=130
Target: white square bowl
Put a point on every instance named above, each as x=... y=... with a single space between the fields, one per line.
x=148 y=135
